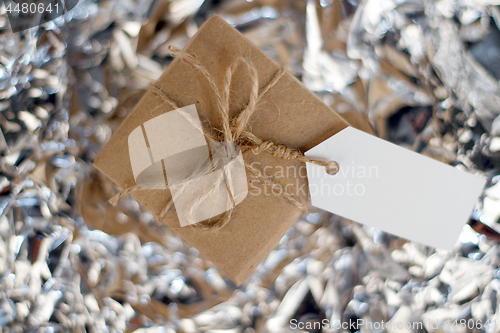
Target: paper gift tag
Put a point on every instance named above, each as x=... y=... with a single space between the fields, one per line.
x=393 y=189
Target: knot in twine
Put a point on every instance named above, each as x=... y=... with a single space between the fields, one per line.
x=235 y=131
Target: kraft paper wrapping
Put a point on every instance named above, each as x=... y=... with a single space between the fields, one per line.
x=204 y=182
x=288 y=114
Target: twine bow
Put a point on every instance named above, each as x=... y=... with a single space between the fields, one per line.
x=235 y=131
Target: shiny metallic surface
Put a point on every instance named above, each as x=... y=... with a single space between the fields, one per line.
x=424 y=74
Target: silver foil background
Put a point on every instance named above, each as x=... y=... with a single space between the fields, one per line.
x=424 y=74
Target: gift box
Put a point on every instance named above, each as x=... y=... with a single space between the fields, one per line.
x=287 y=114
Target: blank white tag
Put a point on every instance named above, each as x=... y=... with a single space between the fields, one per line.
x=393 y=189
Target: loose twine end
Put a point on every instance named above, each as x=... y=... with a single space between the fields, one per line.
x=114 y=200
x=234 y=130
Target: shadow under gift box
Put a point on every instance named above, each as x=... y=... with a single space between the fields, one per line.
x=288 y=114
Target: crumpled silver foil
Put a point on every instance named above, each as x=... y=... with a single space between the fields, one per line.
x=422 y=74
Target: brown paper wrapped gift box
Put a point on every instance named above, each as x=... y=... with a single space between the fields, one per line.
x=288 y=114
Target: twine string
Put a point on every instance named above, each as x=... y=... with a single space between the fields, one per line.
x=234 y=131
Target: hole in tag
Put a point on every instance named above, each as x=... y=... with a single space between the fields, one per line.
x=332 y=169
